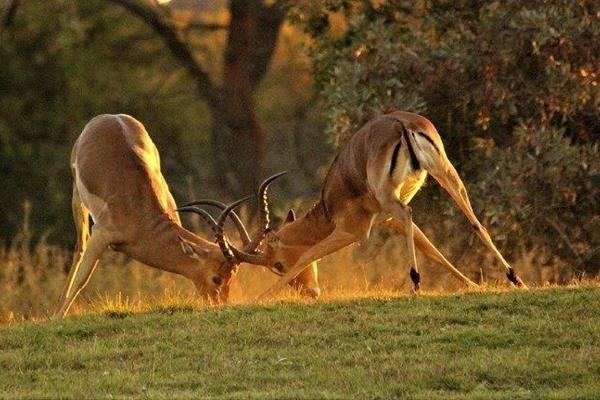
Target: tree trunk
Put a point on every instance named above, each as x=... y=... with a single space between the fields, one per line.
x=238 y=143
x=237 y=137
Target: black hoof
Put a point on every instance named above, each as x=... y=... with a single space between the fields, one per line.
x=416 y=278
x=513 y=277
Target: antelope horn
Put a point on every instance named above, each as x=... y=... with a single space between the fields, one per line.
x=240 y=255
x=227 y=253
x=263 y=211
x=234 y=217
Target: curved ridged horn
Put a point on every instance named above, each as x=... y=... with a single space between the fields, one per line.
x=263 y=211
x=240 y=255
x=234 y=217
x=227 y=253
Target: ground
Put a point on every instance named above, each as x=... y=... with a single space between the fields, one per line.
x=511 y=344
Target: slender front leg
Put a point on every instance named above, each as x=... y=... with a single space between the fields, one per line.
x=335 y=241
x=429 y=250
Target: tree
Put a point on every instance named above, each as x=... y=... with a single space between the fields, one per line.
x=64 y=62
x=237 y=138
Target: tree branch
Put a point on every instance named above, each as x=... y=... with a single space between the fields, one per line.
x=178 y=48
x=9 y=17
x=205 y=26
x=269 y=23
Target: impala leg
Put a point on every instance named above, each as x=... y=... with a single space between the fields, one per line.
x=429 y=250
x=81 y=219
x=404 y=214
x=335 y=241
x=82 y=270
x=307 y=281
x=451 y=182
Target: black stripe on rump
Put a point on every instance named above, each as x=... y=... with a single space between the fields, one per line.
x=395 y=157
x=413 y=157
x=430 y=140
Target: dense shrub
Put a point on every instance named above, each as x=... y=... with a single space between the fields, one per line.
x=511 y=86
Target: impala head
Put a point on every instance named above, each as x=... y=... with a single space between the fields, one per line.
x=283 y=248
x=280 y=256
x=213 y=272
x=216 y=265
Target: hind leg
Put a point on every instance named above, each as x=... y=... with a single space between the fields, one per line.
x=388 y=194
x=307 y=282
x=81 y=218
x=393 y=186
x=85 y=257
x=448 y=178
x=82 y=271
x=404 y=213
x=429 y=250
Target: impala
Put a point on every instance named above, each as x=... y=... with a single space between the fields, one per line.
x=373 y=178
x=118 y=182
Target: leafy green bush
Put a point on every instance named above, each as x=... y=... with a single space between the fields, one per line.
x=542 y=193
x=512 y=88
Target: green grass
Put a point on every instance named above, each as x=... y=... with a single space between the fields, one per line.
x=536 y=344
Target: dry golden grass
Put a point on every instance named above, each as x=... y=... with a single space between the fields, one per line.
x=32 y=276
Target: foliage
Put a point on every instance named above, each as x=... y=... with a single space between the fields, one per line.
x=522 y=344
x=512 y=88
x=548 y=200
x=370 y=82
x=63 y=63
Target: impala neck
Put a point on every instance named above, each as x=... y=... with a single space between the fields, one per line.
x=307 y=230
x=158 y=245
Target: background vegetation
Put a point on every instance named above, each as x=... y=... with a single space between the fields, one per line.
x=512 y=88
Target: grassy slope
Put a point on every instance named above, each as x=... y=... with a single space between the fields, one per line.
x=543 y=343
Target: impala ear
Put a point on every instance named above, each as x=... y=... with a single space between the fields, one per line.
x=271 y=238
x=291 y=217
x=191 y=250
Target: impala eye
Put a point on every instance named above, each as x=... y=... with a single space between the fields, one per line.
x=217 y=280
x=278 y=266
